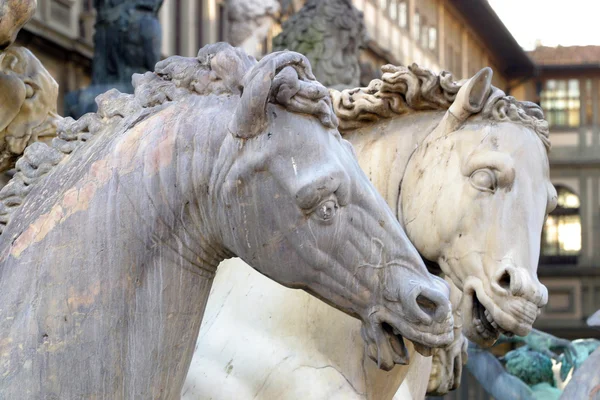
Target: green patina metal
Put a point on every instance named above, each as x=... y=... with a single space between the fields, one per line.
x=583 y=349
x=529 y=366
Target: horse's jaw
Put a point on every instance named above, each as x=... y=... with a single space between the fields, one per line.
x=384 y=335
x=487 y=315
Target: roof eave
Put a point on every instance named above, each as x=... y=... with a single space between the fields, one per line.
x=570 y=67
x=514 y=61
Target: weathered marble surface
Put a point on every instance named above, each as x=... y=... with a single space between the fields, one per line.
x=13 y=15
x=287 y=350
x=28 y=99
x=585 y=383
x=106 y=266
x=473 y=196
x=330 y=34
x=127 y=40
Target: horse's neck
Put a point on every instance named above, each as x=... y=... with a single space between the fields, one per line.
x=121 y=253
x=384 y=149
x=179 y=160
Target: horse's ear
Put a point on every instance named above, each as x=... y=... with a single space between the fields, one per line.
x=472 y=96
x=250 y=116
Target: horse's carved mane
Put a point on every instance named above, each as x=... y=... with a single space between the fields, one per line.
x=405 y=89
x=218 y=70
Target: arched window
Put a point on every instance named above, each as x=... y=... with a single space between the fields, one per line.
x=561 y=237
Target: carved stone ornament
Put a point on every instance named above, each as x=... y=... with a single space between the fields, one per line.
x=107 y=264
x=28 y=96
x=465 y=169
x=249 y=22
x=330 y=34
x=13 y=15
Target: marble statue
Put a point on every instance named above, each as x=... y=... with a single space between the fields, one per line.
x=465 y=169
x=585 y=383
x=504 y=383
x=28 y=93
x=28 y=106
x=249 y=22
x=13 y=15
x=330 y=33
x=127 y=40
x=533 y=371
x=107 y=263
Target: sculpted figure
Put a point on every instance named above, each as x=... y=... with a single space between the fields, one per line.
x=330 y=34
x=28 y=107
x=13 y=15
x=105 y=273
x=504 y=383
x=127 y=40
x=249 y=22
x=465 y=168
x=532 y=371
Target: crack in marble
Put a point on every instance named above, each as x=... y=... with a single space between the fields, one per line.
x=340 y=372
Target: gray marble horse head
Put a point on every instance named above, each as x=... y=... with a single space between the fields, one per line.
x=211 y=157
x=297 y=204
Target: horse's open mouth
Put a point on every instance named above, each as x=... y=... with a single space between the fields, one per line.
x=484 y=323
x=399 y=347
x=397 y=344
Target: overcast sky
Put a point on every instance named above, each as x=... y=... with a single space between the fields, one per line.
x=552 y=22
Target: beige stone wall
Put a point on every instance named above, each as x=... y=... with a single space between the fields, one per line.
x=195 y=23
x=457 y=47
x=523 y=90
x=69 y=25
x=61 y=32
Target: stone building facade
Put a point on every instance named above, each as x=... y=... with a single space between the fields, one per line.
x=567 y=85
x=455 y=35
x=61 y=35
x=437 y=34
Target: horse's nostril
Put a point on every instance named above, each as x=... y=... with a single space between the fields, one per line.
x=427 y=305
x=504 y=281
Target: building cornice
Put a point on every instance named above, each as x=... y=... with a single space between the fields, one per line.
x=50 y=34
x=514 y=61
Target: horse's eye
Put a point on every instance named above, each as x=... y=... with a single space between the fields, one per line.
x=484 y=179
x=327 y=210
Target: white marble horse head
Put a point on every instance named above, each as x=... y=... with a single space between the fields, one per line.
x=474 y=198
